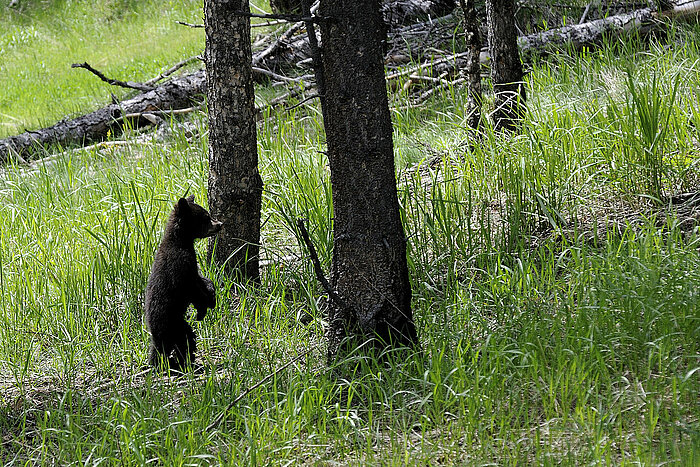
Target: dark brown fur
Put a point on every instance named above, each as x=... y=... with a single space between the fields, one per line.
x=175 y=283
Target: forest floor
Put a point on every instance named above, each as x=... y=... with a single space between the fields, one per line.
x=555 y=272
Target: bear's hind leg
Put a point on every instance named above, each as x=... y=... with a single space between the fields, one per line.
x=184 y=350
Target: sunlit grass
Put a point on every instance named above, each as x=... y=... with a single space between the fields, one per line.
x=126 y=40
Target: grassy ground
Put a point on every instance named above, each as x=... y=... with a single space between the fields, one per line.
x=125 y=39
x=555 y=292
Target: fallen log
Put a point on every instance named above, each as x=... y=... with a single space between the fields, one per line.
x=178 y=93
x=182 y=92
x=581 y=35
x=574 y=37
x=592 y=33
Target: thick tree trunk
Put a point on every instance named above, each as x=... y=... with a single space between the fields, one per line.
x=473 y=64
x=506 y=68
x=235 y=186
x=369 y=269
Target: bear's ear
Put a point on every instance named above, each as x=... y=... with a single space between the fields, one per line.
x=182 y=205
x=190 y=198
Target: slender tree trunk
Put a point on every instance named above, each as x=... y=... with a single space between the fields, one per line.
x=473 y=65
x=506 y=68
x=369 y=269
x=235 y=186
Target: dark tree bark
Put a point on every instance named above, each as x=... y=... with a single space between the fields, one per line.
x=235 y=186
x=369 y=269
x=506 y=68
x=473 y=65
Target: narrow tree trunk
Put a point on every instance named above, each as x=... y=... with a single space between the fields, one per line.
x=369 y=269
x=235 y=186
x=473 y=65
x=506 y=68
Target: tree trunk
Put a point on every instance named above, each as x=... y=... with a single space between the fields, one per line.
x=506 y=68
x=369 y=269
x=473 y=65
x=235 y=186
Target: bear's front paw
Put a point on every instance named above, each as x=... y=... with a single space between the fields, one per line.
x=201 y=313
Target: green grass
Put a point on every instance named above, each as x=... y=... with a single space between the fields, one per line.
x=125 y=39
x=555 y=291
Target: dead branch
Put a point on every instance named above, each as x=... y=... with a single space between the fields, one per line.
x=318 y=270
x=252 y=388
x=190 y=25
x=173 y=69
x=113 y=82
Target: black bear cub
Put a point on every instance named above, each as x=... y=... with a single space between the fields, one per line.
x=175 y=283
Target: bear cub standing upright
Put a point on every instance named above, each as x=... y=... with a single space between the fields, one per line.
x=175 y=282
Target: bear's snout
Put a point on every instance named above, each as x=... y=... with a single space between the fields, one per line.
x=215 y=227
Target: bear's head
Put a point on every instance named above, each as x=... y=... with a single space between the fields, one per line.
x=194 y=219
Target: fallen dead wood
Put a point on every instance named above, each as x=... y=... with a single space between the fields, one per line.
x=581 y=35
x=112 y=81
x=574 y=37
x=178 y=93
x=288 y=50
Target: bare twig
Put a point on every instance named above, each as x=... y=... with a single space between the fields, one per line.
x=172 y=69
x=288 y=18
x=318 y=269
x=276 y=76
x=113 y=82
x=315 y=54
x=301 y=102
x=252 y=388
x=585 y=13
x=268 y=23
x=272 y=48
x=190 y=25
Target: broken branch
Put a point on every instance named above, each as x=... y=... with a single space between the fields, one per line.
x=113 y=82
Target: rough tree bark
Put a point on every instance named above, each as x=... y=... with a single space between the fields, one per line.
x=473 y=63
x=506 y=68
x=235 y=186
x=369 y=269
